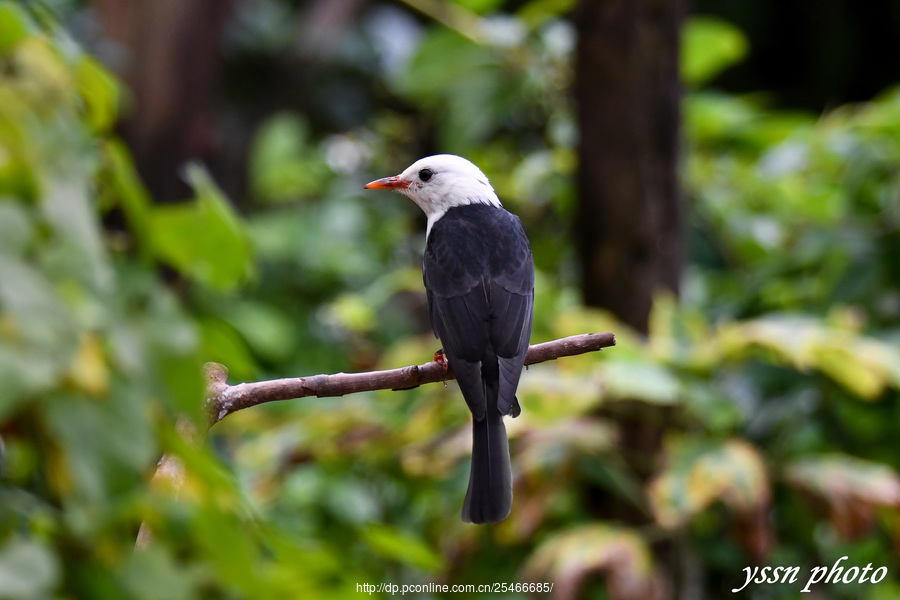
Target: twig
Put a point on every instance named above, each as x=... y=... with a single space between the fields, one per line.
x=224 y=399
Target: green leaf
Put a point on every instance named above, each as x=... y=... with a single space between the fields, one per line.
x=406 y=548
x=204 y=239
x=123 y=187
x=480 y=7
x=284 y=163
x=353 y=313
x=154 y=574
x=645 y=381
x=223 y=345
x=267 y=330
x=103 y=444
x=14 y=26
x=16 y=229
x=28 y=570
x=77 y=252
x=467 y=84
x=100 y=92
x=708 y=47
x=538 y=12
x=711 y=117
x=33 y=313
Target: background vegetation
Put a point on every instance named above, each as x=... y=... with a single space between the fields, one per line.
x=754 y=425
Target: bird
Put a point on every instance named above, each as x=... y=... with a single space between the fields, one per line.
x=478 y=272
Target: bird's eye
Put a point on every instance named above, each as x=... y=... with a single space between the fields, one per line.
x=426 y=174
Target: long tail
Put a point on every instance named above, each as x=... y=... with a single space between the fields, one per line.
x=489 y=497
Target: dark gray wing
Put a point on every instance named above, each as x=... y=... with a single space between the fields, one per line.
x=510 y=334
x=479 y=275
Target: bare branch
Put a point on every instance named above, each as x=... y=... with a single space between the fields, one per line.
x=223 y=399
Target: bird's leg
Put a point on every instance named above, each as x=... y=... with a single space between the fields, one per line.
x=441 y=359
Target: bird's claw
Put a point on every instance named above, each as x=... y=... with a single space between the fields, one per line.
x=515 y=410
x=441 y=359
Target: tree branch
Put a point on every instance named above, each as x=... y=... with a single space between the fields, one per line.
x=224 y=399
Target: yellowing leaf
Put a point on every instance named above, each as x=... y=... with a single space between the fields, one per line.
x=46 y=75
x=845 y=365
x=663 y=316
x=851 y=488
x=698 y=474
x=550 y=447
x=863 y=365
x=89 y=371
x=570 y=557
x=353 y=313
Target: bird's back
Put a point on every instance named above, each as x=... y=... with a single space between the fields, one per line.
x=478 y=242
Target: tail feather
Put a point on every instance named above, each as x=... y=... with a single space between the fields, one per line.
x=489 y=497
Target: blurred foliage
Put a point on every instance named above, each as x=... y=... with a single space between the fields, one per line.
x=772 y=386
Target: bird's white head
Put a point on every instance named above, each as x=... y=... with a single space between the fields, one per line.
x=438 y=183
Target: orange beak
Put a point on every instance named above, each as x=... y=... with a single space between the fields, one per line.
x=388 y=183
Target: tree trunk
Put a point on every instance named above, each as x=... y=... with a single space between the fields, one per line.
x=169 y=58
x=627 y=88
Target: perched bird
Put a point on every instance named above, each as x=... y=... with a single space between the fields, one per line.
x=479 y=280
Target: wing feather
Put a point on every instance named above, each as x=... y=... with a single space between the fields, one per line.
x=481 y=296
